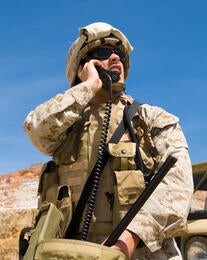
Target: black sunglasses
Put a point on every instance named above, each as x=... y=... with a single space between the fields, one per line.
x=104 y=53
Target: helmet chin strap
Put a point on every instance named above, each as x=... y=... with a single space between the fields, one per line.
x=119 y=85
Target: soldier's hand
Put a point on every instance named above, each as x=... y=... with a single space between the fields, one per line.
x=88 y=74
x=127 y=243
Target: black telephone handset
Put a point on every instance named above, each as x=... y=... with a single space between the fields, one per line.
x=108 y=77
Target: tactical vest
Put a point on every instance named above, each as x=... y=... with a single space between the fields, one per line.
x=121 y=183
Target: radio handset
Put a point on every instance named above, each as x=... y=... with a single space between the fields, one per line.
x=108 y=77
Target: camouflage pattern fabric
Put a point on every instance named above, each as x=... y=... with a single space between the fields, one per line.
x=164 y=215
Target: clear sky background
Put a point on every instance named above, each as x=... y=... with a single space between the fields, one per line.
x=168 y=64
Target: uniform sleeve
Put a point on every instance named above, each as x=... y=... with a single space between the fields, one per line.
x=165 y=213
x=47 y=124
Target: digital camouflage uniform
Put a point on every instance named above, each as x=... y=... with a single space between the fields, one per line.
x=164 y=214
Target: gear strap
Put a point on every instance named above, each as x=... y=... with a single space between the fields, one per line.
x=77 y=215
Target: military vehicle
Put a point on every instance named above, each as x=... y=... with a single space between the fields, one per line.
x=193 y=244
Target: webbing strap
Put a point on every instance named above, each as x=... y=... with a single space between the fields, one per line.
x=128 y=124
x=77 y=215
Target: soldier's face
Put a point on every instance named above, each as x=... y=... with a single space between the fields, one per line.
x=110 y=58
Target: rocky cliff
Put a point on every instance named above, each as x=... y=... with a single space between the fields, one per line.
x=18 y=203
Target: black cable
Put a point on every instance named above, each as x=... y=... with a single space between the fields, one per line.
x=99 y=165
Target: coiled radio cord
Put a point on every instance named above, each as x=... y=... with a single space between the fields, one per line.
x=101 y=149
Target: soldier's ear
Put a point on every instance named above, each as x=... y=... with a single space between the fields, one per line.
x=80 y=67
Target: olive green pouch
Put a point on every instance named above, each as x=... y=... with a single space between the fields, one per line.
x=47 y=227
x=122 y=155
x=50 y=192
x=128 y=187
x=75 y=249
x=64 y=204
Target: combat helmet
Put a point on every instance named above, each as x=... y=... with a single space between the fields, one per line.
x=90 y=37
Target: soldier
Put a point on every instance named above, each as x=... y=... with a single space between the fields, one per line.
x=69 y=126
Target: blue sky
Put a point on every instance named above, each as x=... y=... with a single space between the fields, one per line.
x=168 y=64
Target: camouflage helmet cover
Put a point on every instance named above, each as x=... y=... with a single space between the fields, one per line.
x=90 y=37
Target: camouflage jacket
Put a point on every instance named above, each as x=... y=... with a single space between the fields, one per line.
x=163 y=216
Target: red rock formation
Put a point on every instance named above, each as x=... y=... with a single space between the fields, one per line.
x=18 y=193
